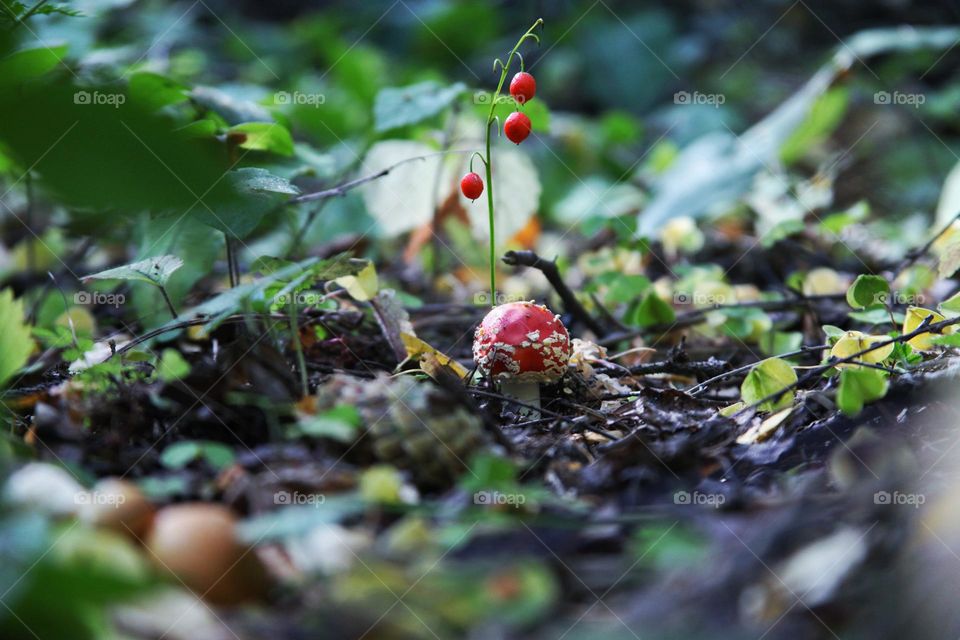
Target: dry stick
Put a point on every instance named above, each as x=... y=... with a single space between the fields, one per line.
x=342 y=189
x=723 y=376
x=925 y=327
x=550 y=271
x=552 y=414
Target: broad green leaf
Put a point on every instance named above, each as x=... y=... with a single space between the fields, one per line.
x=858 y=387
x=396 y=107
x=650 y=311
x=172 y=366
x=262 y=136
x=769 y=377
x=156 y=271
x=30 y=63
x=867 y=291
x=255 y=193
x=155 y=91
x=15 y=341
x=594 y=197
x=180 y=454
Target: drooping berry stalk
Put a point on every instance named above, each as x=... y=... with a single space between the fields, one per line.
x=504 y=69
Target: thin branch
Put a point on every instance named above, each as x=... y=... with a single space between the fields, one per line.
x=925 y=327
x=550 y=271
x=729 y=374
x=342 y=189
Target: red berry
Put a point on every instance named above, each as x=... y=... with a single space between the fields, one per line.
x=471 y=185
x=517 y=127
x=523 y=87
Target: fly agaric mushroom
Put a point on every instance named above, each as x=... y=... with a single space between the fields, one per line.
x=522 y=344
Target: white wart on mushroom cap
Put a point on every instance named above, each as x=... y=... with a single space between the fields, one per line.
x=522 y=341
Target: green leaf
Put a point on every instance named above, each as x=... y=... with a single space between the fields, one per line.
x=180 y=454
x=172 y=366
x=339 y=423
x=867 y=291
x=769 y=377
x=625 y=287
x=155 y=91
x=832 y=332
x=951 y=304
x=30 y=63
x=15 y=341
x=859 y=386
x=952 y=340
x=781 y=231
x=825 y=114
x=396 y=107
x=156 y=271
x=877 y=314
x=650 y=311
x=774 y=343
x=256 y=192
x=262 y=136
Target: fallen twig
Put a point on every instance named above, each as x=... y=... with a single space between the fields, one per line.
x=549 y=269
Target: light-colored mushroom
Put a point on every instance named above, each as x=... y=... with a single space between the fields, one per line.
x=198 y=544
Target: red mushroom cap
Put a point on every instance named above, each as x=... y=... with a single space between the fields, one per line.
x=522 y=341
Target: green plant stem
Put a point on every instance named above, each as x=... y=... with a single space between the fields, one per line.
x=166 y=298
x=504 y=69
x=298 y=347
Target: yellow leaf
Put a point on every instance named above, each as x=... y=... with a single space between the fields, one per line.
x=363 y=286
x=430 y=358
x=915 y=316
x=856 y=341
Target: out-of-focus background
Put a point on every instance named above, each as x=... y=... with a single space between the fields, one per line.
x=684 y=154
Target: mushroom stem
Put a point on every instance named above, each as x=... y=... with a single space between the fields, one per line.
x=526 y=392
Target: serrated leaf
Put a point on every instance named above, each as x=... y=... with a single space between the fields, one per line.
x=867 y=291
x=769 y=377
x=858 y=387
x=156 y=271
x=396 y=107
x=263 y=136
x=15 y=341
